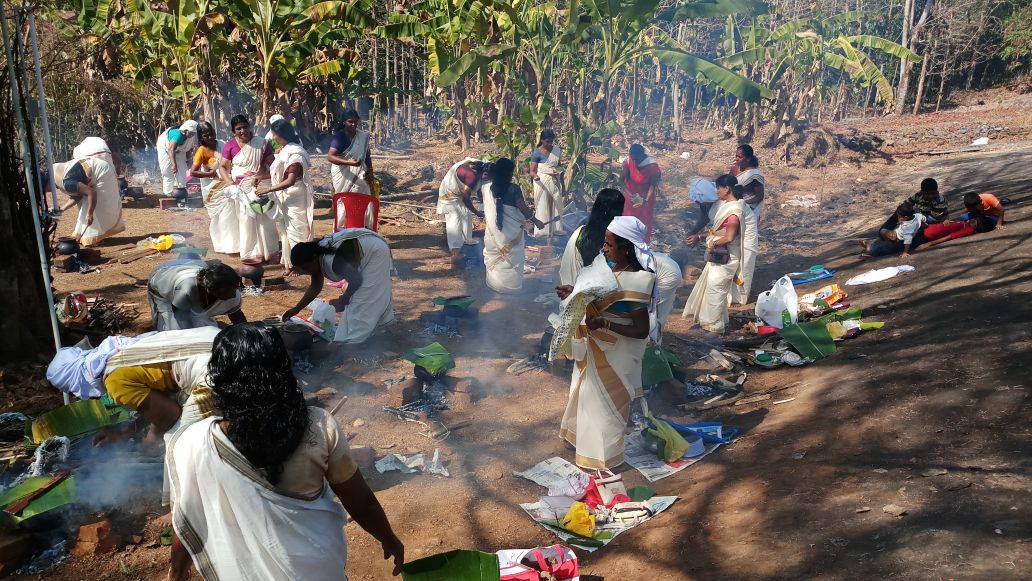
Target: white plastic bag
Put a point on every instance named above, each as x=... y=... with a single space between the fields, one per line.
x=325 y=316
x=782 y=296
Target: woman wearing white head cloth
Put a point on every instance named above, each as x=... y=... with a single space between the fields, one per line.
x=608 y=348
x=707 y=305
x=269 y=137
x=291 y=188
x=174 y=155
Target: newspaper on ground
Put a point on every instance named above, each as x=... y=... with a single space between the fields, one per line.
x=557 y=474
x=654 y=468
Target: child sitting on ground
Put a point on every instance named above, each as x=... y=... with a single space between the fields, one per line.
x=986 y=205
x=891 y=241
x=951 y=230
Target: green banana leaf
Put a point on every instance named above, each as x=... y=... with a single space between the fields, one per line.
x=846 y=315
x=453 y=566
x=434 y=358
x=74 y=419
x=811 y=339
x=462 y=302
x=655 y=366
x=60 y=495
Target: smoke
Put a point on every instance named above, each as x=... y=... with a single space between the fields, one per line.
x=119 y=475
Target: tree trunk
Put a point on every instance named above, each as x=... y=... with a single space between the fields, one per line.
x=942 y=90
x=911 y=31
x=919 y=98
x=459 y=93
x=25 y=332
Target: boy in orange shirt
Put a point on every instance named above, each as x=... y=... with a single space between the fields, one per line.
x=985 y=204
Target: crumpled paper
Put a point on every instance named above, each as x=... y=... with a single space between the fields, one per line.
x=412 y=464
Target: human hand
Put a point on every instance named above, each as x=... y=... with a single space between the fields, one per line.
x=905 y=255
x=691 y=240
x=289 y=314
x=538 y=223
x=261 y=192
x=89 y=219
x=394 y=548
x=563 y=291
x=594 y=323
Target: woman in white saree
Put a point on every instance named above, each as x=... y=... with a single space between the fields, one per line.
x=707 y=305
x=361 y=258
x=255 y=490
x=292 y=188
x=351 y=163
x=608 y=347
x=546 y=172
x=92 y=184
x=504 y=214
x=242 y=161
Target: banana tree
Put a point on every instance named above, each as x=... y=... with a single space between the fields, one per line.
x=292 y=39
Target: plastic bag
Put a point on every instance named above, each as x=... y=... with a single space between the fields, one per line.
x=325 y=316
x=579 y=520
x=674 y=445
x=780 y=298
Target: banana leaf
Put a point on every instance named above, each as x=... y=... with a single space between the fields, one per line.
x=74 y=419
x=655 y=366
x=462 y=302
x=811 y=339
x=60 y=495
x=434 y=358
x=453 y=566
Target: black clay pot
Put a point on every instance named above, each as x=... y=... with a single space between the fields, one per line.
x=67 y=247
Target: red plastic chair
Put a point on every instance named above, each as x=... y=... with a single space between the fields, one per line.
x=355 y=206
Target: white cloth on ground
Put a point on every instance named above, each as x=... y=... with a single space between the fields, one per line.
x=878 y=274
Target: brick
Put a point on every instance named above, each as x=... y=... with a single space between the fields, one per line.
x=364 y=456
x=13 y=550
x=463 y=386
x=96 y=538
x=166 y=203
x=460 y=401
x=95 y=532
x=406 y=392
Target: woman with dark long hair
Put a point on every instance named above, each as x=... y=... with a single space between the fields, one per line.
x=351 y=162
x=253 y=491
x=363 y=259
x=585 y=244
x=291 y=188
x=505 y=211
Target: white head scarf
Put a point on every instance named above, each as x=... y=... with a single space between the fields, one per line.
x=90 y=146
x=273 y=119
x=634 y=231
x=750 y=175
x=190 y=126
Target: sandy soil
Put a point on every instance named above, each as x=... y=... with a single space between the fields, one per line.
x=943 y=385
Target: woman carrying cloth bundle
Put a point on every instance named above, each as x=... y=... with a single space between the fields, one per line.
x=641 y=175
x=361 y=258
x=608 y=347
x=707 y=305
x=546 y=172
x=292 y=189
x=504 y=214
x=242 y=161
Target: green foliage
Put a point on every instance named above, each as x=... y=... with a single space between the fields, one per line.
x=1017 y=36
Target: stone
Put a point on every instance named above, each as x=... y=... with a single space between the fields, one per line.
x=894 y=510
x=406 y=392
x=95 y=539
x=463 y=386
x=326 y=392
x=13 y=550
x=460 y=401
x=364 y=456
x=358 y=423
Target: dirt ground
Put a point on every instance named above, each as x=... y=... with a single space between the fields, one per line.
x=943 y=385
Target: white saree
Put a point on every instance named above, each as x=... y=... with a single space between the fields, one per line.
x=107 y=214
x=503 y=247
x=707 y=305
x=606 y=376
x=372 y=304
x=351 y=178
x=296 y=203
x=258 y=236
x=458 y=220
x=548 y=194
x=571 y=263
x=750 y=250
x=238 y=526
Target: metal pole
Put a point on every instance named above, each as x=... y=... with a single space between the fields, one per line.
x=55 y=208
x=30 y=179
